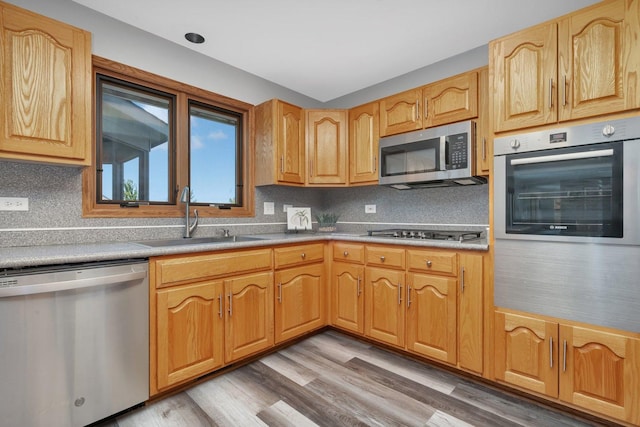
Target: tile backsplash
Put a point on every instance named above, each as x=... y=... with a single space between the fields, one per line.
x=55 y=209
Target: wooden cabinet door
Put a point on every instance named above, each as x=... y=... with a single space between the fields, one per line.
x=290 y=144
x=523 y=66
x=401 y=112
x=190 y=332
x=299 y=301
x=470 y=314
x=600 y=372
x=327 y=132
x=347 y=308
x=45 y=113
x=364 y=133
x=526 y=352
x=451 y=100
x=384 y=305
x=484 y=145
x=249 y=315
x=599 y=60
x=431 y=316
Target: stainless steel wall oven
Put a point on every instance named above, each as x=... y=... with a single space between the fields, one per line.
x=567 y=222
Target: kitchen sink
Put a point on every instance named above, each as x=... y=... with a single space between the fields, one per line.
x=197 y=241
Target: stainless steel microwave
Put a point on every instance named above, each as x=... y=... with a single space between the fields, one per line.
x=442 y=156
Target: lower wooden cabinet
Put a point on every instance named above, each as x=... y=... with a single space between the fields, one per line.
x=595 y=370
x=190 y=327
x=384 y=318
x=347 y=305
x=249 y=315
x=299 y=301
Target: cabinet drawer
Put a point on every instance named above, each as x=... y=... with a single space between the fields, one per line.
x=300 y=254
x=385 y=256
x=191 y=268
x=348 y=252
x=433 y=262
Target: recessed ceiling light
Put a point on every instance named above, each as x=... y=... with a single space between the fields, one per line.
x=194 y=38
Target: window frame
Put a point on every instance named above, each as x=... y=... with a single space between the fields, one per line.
x=184 y=93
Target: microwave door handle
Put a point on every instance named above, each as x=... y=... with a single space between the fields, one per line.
x=443 y=153
x=560 y=157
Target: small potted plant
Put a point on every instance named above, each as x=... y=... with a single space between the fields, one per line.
x=327 y=222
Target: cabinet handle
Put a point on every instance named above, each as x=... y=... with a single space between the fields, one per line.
x=426 y=108
x=399 y=294
x=550 y=93
x=564 y=356
x=408 y=296
x=346 y=254
x=282 y=164
x=418 y=110
x=230 y=304
x=280 y=292
x=484 y=148
x=358 y=289
x=375 y=164
x=382 y=258
x=303 y=255
x=462 y=280
x=551 y=352
x=310 y=167
x=429 y=263
x=220 y=304
x=564 y=90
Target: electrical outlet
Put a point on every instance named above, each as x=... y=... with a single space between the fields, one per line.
x=369 y=208
x=269 y=208
x=14 y=204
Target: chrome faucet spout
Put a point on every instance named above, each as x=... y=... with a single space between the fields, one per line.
x=185 y=197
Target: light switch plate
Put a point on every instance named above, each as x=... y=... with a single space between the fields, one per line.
x=369 y=208
x=14 y=204
x=269 y=208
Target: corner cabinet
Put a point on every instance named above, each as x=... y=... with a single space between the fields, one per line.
x=279 y=144
x=327 y=147
x=44 y=119
x=593 y=369
x=583 y=65
x=300 y=290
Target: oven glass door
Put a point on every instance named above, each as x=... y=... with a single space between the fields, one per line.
x=411 y=158
x=569 y=192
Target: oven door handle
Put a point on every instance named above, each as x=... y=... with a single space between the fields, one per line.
x=561 y=157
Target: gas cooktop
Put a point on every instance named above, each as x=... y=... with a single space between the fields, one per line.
x=403 y=233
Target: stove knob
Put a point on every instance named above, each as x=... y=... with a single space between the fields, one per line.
x=515 y=144
x=608 y=131
x=412 y=234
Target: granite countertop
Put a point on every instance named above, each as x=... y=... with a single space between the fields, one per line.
x=29 y=256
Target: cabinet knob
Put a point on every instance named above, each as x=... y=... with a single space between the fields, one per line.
x=303 y=255
x=382 y=258
x=429 y=263
x=346 y=254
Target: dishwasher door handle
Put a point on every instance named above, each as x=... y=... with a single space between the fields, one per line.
x=66 y=285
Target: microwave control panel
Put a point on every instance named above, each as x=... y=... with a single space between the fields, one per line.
x=457 y=151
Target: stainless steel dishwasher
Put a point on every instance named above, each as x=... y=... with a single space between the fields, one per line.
x=74 y=342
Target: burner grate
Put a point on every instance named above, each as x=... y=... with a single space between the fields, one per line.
x=417 y=234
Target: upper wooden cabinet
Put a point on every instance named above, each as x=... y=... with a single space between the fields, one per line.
x=484 y=141
x=583 y=65
x=364 y=132
x=279 y=144
x=45 y=69
x=327 y=146
x=445 y=101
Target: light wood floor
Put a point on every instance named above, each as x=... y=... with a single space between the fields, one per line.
x=331 y=379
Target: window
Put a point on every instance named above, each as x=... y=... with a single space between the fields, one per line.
x=154 y=136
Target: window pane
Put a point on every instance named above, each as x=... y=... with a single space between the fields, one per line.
x=215 y=156
x=133 y=153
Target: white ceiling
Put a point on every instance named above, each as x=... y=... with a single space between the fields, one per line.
x=329 y=48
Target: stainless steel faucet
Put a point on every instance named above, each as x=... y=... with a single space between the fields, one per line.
x=185 y=197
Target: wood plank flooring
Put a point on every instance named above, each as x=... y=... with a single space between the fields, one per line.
x=331 y=379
